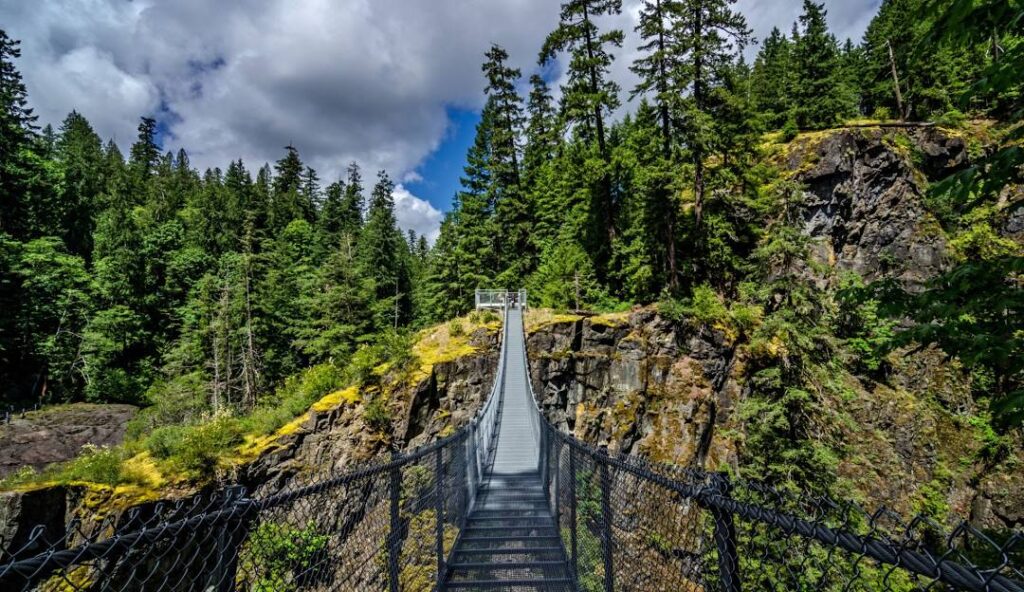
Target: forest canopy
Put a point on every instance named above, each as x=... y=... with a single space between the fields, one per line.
x=130 y=276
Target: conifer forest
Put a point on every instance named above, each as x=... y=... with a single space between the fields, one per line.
x=223 y=302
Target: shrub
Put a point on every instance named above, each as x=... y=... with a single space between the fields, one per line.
x=293 y=398
x=952 y=118
x=202 y=445
x=360 y=367
x=165 y=442
x=790 y=129
x=882 y=113
x=281 y=556
x=455 y=328
x=179 y=401
x=97 y=464
x=377 y=415
x=396 y=348
x=707 y=307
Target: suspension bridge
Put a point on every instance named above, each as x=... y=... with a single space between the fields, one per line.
x=510 y=502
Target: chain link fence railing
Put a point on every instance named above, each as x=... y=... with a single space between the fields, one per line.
x=617 y=523
x=628 y=524
x=386 y=526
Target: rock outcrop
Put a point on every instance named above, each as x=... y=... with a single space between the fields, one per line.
x=864 y=199
x=637 y=384
x=674 y=392
x=57 y=434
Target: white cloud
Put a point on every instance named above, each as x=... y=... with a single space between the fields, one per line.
x=364 y=80
x=417 y=214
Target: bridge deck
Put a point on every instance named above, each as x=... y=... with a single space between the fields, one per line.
x=518 y=450
x=511 y=540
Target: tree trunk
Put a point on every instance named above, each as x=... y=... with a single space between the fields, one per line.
x=698 y=100
x=896 y=83
x=606 y=185
x=250 y=377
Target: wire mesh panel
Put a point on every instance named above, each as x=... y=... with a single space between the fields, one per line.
x=623 y=529
x=785 y=541
x=632 y=525
x=373 y=528
x=443 y=517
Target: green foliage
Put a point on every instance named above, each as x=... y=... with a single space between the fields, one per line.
x=565 y=279
x=972 y=312
x=281 y=557
x=869 y=335
x=819 y=89
x=95 y=464
x=197 y=450
x=376 y=414
x=195 y=443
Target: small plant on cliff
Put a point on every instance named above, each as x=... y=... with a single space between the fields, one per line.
x=455 y=328
x=376 y=414
x=282 y=558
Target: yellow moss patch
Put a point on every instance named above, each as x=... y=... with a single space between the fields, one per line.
x=104 y=500
x=255 y=446
x=79 y=578
x=144 y=470
x=349 y=395
x=611 y=319
x=538 y=318
x=438 y=344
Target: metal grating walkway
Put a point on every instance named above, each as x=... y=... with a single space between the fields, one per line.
x=511 y=540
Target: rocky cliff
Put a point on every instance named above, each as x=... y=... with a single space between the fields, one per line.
x=439 y=392
x=38 y=438
x=673 y=391
x=680 y=391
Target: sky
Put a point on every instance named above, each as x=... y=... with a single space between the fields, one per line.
x=390 y=84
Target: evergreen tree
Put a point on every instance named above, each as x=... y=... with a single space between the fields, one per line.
x=447 y=295
x=17 y=130
x=382 y=263
x=340 y=306
x=590 y=95
x=238 y=188
x=772 y=82
x=144 y=157
x=659 y=63
x=565 y=278
x=542 y=130
x=331 y=219
x=513 y=220
x=710 y=36
x=80 y=155
x=819 y=92
x=292 y=194
x=353 y=203
x=508 y=117
x=311 y=197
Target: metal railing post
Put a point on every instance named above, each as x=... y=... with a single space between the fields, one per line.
x=394 y=534
x=471 y=467
x=544 y=473
x=232 y=536
x=439 y=515
x=725 y=537
x=558 y=480
x=572 y=514
x=606 y=519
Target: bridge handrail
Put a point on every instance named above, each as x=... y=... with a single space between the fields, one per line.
x=484 y=426
x=715 y=493
x=717 y=515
